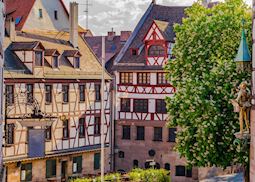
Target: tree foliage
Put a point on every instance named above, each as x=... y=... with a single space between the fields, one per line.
x=205 y=77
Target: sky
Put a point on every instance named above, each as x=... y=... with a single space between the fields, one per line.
x=105 y=15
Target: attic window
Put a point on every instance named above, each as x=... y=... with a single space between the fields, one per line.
x=77 y=62
x=40 y=13
x=17 y=20
x=55 y=62
x=56 y=15
x=134 y=52
x=156 y=50
x=38 y=58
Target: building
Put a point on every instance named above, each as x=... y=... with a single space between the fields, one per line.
x=53 y=101
x=141 y=136
x=113 y=45
x=2 y=10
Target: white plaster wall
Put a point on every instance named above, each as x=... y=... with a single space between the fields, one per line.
x=48 y=21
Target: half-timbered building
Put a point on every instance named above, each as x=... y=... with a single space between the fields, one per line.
x=52 y=95
x=142 y=138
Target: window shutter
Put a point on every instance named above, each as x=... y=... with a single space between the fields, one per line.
x=79 y=164
x=48 y=169
x=96 y=161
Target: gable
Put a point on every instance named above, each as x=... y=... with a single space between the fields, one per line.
x=48 y=21
x=154 y=33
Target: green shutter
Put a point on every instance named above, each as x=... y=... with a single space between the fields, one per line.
x=79 y=164
x=48 y=168
x=96 y=161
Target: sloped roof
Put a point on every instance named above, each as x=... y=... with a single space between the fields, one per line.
x=165 y=29
x=26 y=46
x=90 y=67
x=170 y=14
x=71 y=53
x=50 y=52
x=19 y=10
x=243 y=54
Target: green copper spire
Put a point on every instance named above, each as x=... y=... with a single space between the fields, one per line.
x=243 y=54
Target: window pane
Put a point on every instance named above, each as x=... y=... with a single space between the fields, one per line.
x=143 y=78
x=180 y=171
x=96 y=161
x=172 y=134
x=55 y=62
x=65 y=92
x=82 y=127
x=82 y=93
x=141 y=105
x=140 y=132
x=65 y=129
x=48 y=93
x=157 y=134
x=9 y=92
x=161 y=106
x=126 y=132
x=125 y=105
x=30 y=97
x=157 y=50
x=97 y=92
x=97 y=126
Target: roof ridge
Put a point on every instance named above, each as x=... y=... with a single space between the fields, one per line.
x=134 y=33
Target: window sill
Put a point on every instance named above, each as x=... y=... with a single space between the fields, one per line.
x=157 y=140
x=64 y=103
x=140 y=139
x=81 y=137
x=65 y=138
x=47 y=140
x=48 y=103
x=8 y=145
x=82 y=102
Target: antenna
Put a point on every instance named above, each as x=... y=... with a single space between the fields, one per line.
x=87 y=4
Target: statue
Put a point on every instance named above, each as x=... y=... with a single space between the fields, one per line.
x=242 y=104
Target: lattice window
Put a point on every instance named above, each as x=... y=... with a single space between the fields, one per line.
x=143 y=78
x=10 y=133
x=125 y=105
x=126 y=78
x=156 y=51
x=9 y=92
x=26 y=172
x=141 y=105
x=162 y=79
x=161 y=106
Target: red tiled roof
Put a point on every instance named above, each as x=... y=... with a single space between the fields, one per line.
x=19 y=9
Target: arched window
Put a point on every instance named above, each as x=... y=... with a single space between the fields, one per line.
x=167 y=166
x=135 y=163
x=156 y=50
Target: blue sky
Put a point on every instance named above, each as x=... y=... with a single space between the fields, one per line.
x=119 y=14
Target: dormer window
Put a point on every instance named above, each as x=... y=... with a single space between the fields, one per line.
x=40 y=13
x=156 y=51
x=77 y=62
x=55 y=62
x=38 y=58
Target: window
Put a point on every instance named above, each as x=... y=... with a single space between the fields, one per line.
x=126 y=132
x=135 y=163
x=9 y=92
x=65 y=91
x=156 y=50
x=188 y=172
x=162 y=79
x=50 y=168
x=56 y=15
x=76 y=62
x=134 y=52
x=97 y=92
x=141 y=105
x=171 y=134
x=48 y=133
x=180 y=171
x=30 y=93
x=40 y=13
x=140 y=133
x=65 y=129
x=55 y=62
x=82 y=93
x=10 y=134
x=26 y=172
x=96 y=161
x=126 y=78
x=161 y=106
x=38 y=58
x=77 y=164
x=48 y=93
x=167 y=166
x=121 y=154
x=125 y=105
x=157 y=133
x=143 y=78
x=82 y=127
x=97 y=126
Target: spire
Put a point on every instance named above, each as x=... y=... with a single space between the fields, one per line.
x=243 y=54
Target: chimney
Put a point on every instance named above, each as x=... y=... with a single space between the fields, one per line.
x=124 y=35
x=10 y=29
x=73 y=20
x=111 y=35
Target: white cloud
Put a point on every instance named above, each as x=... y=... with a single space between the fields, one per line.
x=120 y=14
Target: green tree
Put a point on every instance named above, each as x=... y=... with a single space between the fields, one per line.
x=205 y=77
